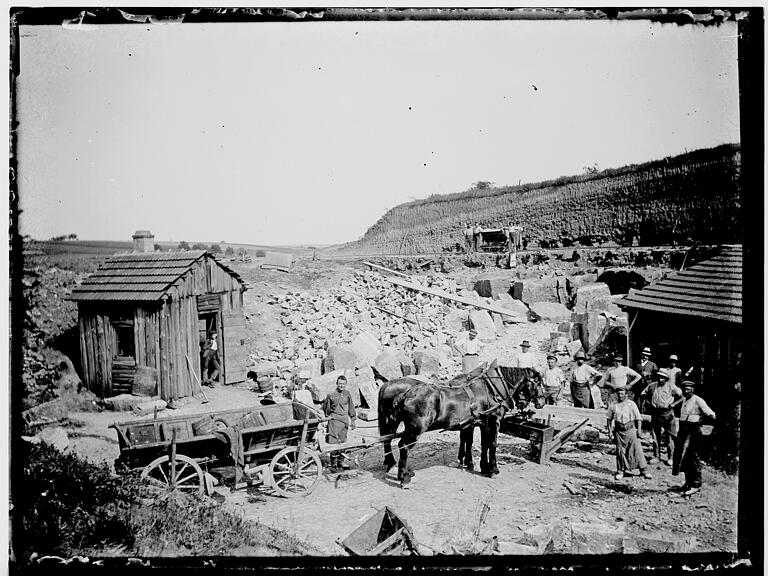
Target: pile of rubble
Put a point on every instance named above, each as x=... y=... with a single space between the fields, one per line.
x=368 y=326
x=368 y=323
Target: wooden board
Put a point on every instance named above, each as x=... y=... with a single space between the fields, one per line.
x=570 y=415
x=235 y=354
x=467 y=301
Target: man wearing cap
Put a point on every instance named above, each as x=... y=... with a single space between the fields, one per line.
x=623 y=421
x=675 y=374
x=647 y=369
x=663 y=395
x=525 y=359
x=619 y=377
x=554 y=380
x=340 y=408
x=686 y=457
x=470 y=352
x=582 y=379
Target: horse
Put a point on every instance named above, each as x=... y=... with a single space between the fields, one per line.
x=481 y=397
x=388 y=423
x=526 y=387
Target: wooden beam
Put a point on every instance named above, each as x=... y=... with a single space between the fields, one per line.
x=383 y=269
x=441 y=294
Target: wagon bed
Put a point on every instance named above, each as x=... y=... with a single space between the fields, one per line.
x=269 y=442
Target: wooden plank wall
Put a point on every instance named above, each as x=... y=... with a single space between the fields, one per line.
x=97 y=346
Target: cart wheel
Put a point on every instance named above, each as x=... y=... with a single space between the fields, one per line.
x=290 y=482
x=189 y=475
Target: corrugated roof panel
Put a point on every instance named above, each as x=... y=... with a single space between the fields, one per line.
x=710 y=289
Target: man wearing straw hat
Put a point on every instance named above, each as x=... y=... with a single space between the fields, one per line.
x=582 y=378
x=525 y=359
x=663 y=396
x=647 y=369
x=623 y=422
x=675 y=373
x=470 y=352
x=686 y=458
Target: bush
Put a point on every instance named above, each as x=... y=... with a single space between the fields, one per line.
x=199 y=246
x=260 y=254
x=183 y=245
x=215 y=249
x=229 y=251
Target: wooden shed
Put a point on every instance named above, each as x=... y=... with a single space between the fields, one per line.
x=151 y=311
x=695 y=313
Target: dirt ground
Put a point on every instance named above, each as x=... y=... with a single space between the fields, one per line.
x=441 y=506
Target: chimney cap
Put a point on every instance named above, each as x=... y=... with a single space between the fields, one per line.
x=143 y=234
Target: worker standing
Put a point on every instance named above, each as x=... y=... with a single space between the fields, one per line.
x=647 y=369
x=554 y=380
x=340 y=408
x=619 y=377
x=686 y=457
x=582 y=378
x=469 y=234
x=525 y=358
x=477 y=236
x=623 y=421
x=470 y=352
x=663 y=395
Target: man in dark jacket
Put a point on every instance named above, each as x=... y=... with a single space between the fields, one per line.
x=340 y=408
x=647 y=369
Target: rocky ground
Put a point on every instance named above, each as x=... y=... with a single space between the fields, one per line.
x=312 y=318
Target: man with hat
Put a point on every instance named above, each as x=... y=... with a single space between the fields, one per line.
x=619 y=377
x=663 y=395
x=647 y=369
x=470 y=352
x=553 y=379
x=686 y=457
x=675 y=373
x=525 y=359
x=582 y=379
x=469 y=233
x=623 y=421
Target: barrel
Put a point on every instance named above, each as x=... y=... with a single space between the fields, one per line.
x=145 y=381
x=265 y=384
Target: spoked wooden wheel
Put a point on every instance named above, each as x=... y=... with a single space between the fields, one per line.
x=290 y=480
x=187 y=477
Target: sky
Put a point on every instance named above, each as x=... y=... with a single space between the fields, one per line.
x=306 y=133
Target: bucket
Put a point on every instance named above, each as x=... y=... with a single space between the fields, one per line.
x=203 y=426
x=145 y=381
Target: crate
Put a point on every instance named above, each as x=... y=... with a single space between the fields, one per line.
x=383 y=534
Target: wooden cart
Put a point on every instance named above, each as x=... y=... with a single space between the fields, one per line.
x=271 y=445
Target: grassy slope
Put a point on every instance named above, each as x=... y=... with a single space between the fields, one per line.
x=691 y=196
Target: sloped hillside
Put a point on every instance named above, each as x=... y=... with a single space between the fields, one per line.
x=690 y=197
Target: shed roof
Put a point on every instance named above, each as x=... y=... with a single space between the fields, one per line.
x=140 y=276
x=709 y=289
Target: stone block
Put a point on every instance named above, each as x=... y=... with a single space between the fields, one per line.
x=539 y=537
x=149 y=406
x=592 y=297
x=285 y=366
x=124 y=402
x=367 y=346
x=427 y=362
x=573 y=347
x=498 y=321
x=55 y=436
x=515 y=549
x=390 y=363
x=341 y=357
x=592 y=326
x=320 y=386
x=492 y=286
x=536 y=290
x=314 y=366
x=558 y=344
x=481 y=321
x=550 y=311
x=594 y=538
x=660 y=542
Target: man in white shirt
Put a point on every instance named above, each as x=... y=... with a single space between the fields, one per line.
x=686 y=458
x=623 y=423
x=470 y=352
x=525 y=359
x=663 y=395
x=582 y=379
x=553 y=379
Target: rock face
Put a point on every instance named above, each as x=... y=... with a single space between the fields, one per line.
x=427 y=362
x=481 y=321
x=550 y=312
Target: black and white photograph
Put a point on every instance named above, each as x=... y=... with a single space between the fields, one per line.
x=386 y=286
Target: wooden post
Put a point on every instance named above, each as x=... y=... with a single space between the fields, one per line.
x=302 y=442
x=173 y=461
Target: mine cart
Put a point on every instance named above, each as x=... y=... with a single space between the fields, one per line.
x=493 y=240
x=272 y=445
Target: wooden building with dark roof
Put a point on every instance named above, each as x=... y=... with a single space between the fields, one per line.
x=695 y=313
x=152 y=311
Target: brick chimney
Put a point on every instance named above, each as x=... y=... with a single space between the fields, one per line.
x=143 y=241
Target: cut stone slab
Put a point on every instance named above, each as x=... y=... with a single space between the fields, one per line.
x=320 y=386
x=592 y=326
x=539 y=537
x=481 y=321
x=515 y=549
x=492 y=286
x=59 y=408
x=573 y=347
x=390 y=363
x=657 y=541
x=149 y=406
x=517 y=306
x=591 y=297
x=593 y=538
x=124 y=402
x=456 y=320
x=550 y=312
x=536 y=290
x=427 y=362
x=266 y=368
x=367 y=346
